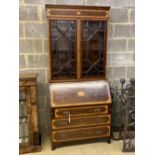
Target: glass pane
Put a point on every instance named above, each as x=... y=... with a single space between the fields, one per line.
x=63 y=37
x=23 y=133
x=93 y=48
x=22 y=109
x=23 y=118
x=22 y=96
x=22 y=104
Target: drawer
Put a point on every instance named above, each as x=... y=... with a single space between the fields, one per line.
x=79 y=134
x=81 y=121
x=81 y=111
x=77 y=13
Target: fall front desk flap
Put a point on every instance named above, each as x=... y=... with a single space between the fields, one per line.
x=79 y=93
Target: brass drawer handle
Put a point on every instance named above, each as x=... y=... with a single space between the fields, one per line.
x=78 y=13
x=98 y=132
x=97 y=110
x=63 y=123
x=66 y=112
x=64 y=135
x=99 y=120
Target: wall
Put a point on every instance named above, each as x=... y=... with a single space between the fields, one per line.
x=33 y=44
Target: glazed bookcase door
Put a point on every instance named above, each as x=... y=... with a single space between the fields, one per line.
x=63 y=44
x=93 y=52
x=24 y=118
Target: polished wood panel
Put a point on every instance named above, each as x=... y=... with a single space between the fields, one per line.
x=82 y=133
x=77 y=13
x=76 y=7
x=81 y=111
x=81 y=121
x=80 y=93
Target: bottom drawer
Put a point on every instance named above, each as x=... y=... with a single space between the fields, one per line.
x=79 y=134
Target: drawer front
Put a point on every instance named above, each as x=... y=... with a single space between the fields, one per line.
x=79 y=134
x=81 y=121
x=81 y=111
x=77 y=13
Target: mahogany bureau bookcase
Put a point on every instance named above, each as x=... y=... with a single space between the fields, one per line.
x=79 y=91
x=29 y=136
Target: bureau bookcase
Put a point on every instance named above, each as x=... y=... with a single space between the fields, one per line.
x=79 y=91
